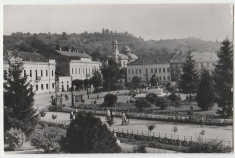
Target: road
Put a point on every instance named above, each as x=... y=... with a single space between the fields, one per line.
x=187 y=130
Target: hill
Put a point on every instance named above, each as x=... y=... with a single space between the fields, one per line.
x=93 y=43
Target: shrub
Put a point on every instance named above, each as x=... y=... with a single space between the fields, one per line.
x=47 y=139
x=53 y=116
x=151 y=97
x=173 y=97
x=161 y=102
x=87 y=134
x=209 y=147
x=141 y=104
x=110 y=99
x=151 y=127
x=140 y=149
x=14 y=138
x=42 y=113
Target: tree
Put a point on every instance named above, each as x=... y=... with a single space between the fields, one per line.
x=188 y=80
x=96 y=79
x=205 y=91
x=141 y=104
x=223 y=78
x=161 y=102
x=18 y=98
x=154 y=80
x=86 y=83
x=136 y=81
x=110 y=99
x=64 y=36
x=151 y=97
x=78 y=83
x=87 y=134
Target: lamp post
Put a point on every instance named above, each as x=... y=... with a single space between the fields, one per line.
x=60 y=89
x=72 y=99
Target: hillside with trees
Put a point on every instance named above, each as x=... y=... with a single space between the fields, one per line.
x=99 y=43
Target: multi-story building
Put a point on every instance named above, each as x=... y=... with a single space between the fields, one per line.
x=38 y=70
x=146 y=67
x=206 y=60
x=122 y=58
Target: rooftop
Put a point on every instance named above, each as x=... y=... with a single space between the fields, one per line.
x=114 y=42
x=26 y=56
x=126 y=49
x=153 y=59
x=73 y=54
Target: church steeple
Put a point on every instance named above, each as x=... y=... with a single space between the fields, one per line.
x=115 y=49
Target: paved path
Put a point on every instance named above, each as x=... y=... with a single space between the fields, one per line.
x=188 y=130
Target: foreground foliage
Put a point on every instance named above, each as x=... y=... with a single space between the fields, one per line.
x=14 y=138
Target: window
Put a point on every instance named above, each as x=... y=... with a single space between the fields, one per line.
x=160 y=70
x=76 y=72
x=86 y=70
x=168 y=69
x=36 y=87
x=52 y=73
x=164 y=78
x=151 y=70
x=24 y=73
x=53 y=85
x=155 y=70
x=47 y=86
x=163 y=70
x=133 y=71
x=136 y=71
x=79 y=71
x=146 y=71
x=36 y=74
x=30 y=73
x=41 y=86
x=129 y=71
x=41 y=73
x=72 y=70
x=139 y=71
x=83 y=70
x=46 y=73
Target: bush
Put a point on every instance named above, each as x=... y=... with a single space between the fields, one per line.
x=47 y=139
x=141 y=104
x=209 y=147
x=87 y=134
x=14 y=138
x=161 y=102
x=140 y=149
x=173 y=97
x=42 y=113
x=151 y=97
x=53 y=116
x=110 y=99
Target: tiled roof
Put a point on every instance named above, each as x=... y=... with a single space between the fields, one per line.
x=197 y=56
x=123 y=56
x=133 y=56
x=26 y=56
x=73 y=54
x=160 y=59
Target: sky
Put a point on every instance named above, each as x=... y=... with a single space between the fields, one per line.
x=150 y=21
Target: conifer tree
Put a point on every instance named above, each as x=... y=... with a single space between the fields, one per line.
x=223 y=78
x=189 y=78
x=18 y=98
x=205 y=91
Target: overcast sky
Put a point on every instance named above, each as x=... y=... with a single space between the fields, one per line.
x=152 y=21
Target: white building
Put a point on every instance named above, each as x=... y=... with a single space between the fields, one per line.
x=39 y=70
x=144 y=68
x=79 y=66
x=122 y=58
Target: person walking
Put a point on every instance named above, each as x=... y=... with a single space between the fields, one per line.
x=71 y=114
x=107 y=116
x=127 y=118
x=111 y=117
x=123 y=118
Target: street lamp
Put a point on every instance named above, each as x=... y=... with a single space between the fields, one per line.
x=60 y=89
x=72 y=99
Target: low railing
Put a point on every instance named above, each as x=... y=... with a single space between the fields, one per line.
x=157 y=135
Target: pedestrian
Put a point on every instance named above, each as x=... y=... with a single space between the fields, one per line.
x=108 y=116
x=71 y=114
x=87 y=94
x=123 y=118
x=202 y=119
x=98 y=96
x=127 y=118
x=111 y=117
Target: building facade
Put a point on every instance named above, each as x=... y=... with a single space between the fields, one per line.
x=206 y=60
x=38 y=70
x=122 y=58
x=144 y=69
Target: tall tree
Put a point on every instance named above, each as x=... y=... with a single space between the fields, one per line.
x=87 y=134
x=136 y=81
x=18 y=98
x=205 y=91
x=96 y=80
x=189 y=78
x=223 y=77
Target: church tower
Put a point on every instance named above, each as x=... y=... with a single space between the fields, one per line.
x=115 y=50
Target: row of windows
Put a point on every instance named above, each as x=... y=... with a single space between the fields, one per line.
x=82 y=70
x=36 y=73
x=152 y=70
x=42 y=86
x=159 y=78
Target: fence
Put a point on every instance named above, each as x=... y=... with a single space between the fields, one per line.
x=158 y=135
x=177 y=118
